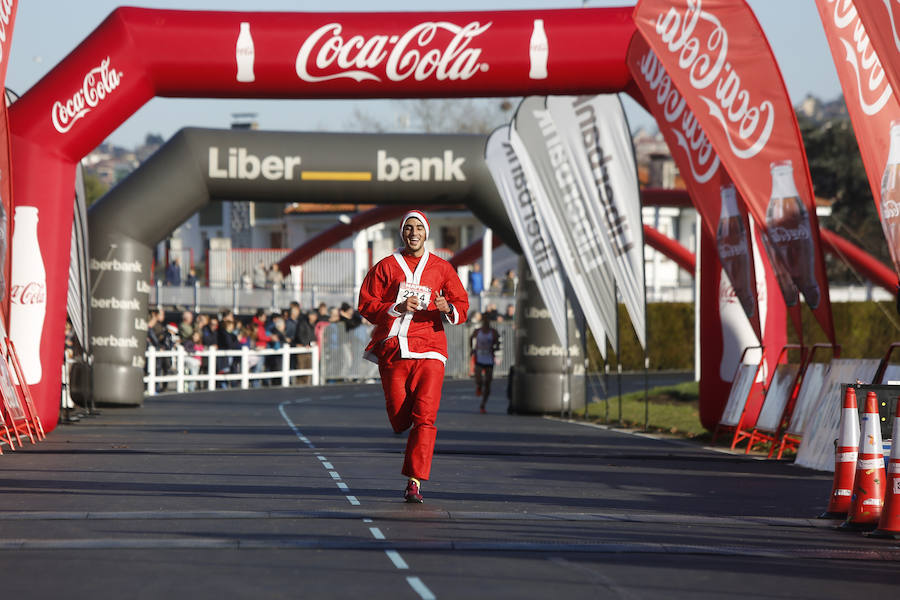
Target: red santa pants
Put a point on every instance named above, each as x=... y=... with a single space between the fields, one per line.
x=412 y=393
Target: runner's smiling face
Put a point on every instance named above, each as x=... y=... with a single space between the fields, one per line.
x=413 y=235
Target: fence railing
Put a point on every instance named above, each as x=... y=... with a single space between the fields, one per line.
x=214 y=368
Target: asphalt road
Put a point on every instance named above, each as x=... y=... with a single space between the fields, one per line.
x=296 y=493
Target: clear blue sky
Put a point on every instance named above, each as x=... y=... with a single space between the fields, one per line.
x=47 y=30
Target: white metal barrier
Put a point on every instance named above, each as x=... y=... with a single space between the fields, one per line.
x=214 y=357
x=817 y=447
x=737 y=398
x=777 y=397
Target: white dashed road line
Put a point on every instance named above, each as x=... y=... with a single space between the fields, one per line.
x=420 y=588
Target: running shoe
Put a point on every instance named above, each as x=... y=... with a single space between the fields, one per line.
x=483 y=410
x=412 y=494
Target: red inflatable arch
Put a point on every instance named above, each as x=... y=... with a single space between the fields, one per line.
x=136 y=54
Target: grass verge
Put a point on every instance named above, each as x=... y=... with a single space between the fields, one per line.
x=673 y=410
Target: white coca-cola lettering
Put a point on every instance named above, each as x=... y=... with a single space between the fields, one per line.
x=890 y=210
x=732 y=250
x=409 y=54
x=6 y=8
x=98 y=83
x=872 y=86
x=890 y=9
x=781 y=235
x=33 y=292
x=702 y=159
x=732 y=105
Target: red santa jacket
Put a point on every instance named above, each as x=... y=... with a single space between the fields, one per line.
x=419 y=334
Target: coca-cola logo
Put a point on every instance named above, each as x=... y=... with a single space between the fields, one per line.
x=747 y=126
x=6 y=9
x=701 y=157
x=33 y=292
x=893 y=21
x=98 y=83
x=783 y=235
x=872 y=86
x=890 y=209
x=732 y=250
x=416 y=53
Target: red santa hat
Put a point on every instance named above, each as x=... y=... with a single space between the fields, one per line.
x=415 y=214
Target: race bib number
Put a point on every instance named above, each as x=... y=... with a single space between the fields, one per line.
x=408 y=290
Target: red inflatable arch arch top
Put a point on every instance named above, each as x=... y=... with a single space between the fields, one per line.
x=136 y=54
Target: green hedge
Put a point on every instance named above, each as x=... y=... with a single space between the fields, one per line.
x=863 y=329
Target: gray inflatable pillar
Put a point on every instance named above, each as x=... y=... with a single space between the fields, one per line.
x=539 y=380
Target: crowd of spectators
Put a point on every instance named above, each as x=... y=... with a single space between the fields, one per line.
x=227 y=331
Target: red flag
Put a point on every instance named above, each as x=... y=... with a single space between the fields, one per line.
x=7 y=20
x=722 y=213
x=872 y=105
x=720 y=61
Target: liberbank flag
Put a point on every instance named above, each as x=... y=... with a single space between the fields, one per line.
x=719 y=59
x=537 y=245
x=577 y=236
x=595 y=133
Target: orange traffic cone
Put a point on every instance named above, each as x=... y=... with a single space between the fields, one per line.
x=868 y=487
x=844 y=459
x=889 y=525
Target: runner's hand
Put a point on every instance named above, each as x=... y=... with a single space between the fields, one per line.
x=442 y=305
x=410 y=305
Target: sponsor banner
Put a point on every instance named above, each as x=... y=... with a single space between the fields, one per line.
x=722 y=211
x=873 y=107
x=518 y=198
x=7 y=21
x=878 y=38
x=595 y=133
x=717 y=56
x=548 y=167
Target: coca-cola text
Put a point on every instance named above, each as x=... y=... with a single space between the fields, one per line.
x=403 y=55
x=702 y=158
x=98 y=83
x=872 y=85
x=6 y=8
x=706 y=62
x=33 y=292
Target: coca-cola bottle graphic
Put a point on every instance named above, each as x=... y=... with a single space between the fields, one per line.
x=28 y=293
x=890 y=196
x=734 y=250
x=245 y=54
x=788 y=289
x=538 y=51
x=789 y=231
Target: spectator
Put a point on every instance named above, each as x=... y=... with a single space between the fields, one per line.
x=191 y=279
x=306 y=329
x=322 y=312
x=247 y=339
x=274 y=277
x=192 y=361
x=186 y=327
x=291 y=320
x=491 y=313
x=259 y=275
x=246 y=281
x=210 y=333
x=349 y=317
x=495 y=286
x=476 y=280
x=173 y=273
x=509 y=283
x=510 y=313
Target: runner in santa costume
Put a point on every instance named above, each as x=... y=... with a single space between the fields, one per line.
x=409 y=296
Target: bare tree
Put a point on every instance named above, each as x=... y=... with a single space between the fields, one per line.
x=465 y=115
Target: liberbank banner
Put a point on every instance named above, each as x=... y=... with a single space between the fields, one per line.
x=577 y=234
x=537 y=245
x=872 y=104
x=719 y=59
x=596 y=136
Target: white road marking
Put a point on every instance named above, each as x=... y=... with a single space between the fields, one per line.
x=342 y=486
x=290 y=423
x=353 y=500
x=420 y=588
x=327 y=465
x=396 y=559
x=376 y=533
x=320 y=457
x=367 y=520
x=334 y=474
